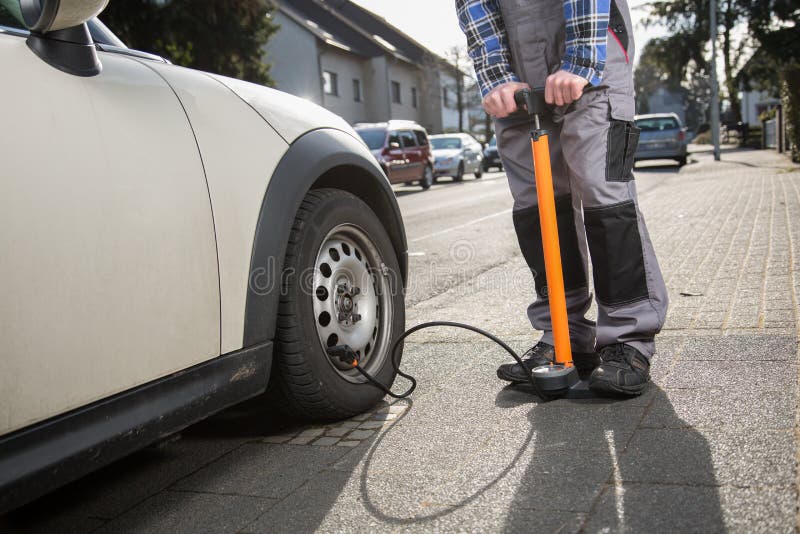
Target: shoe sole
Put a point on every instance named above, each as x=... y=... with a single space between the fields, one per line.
x=605 y=388
x=509 y=378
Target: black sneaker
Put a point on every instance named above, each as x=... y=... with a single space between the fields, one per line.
x=544 y=354
x=624 y=371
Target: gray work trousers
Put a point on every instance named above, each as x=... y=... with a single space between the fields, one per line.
x=592 y=145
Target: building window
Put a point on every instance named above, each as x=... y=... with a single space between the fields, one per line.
x=330 y=83
x=396 y=92
x=356 y=90
x=414 y=97
x=444 y=97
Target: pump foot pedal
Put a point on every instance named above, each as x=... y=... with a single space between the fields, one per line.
x=555 y=380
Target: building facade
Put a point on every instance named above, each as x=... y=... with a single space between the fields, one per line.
x=354 y=63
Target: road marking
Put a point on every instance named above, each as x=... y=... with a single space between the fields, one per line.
x=437 y=204
x=412 y=254
x=458 y=227
x=619 y=490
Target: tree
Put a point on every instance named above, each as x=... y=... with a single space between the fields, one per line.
x=658 y=69
x=457 y=57
x=773 y=25
x=688 y=20
x=654 y=72
x=213 y=35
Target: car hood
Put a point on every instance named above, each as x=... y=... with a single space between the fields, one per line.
x=446 y=152
x=291 y=116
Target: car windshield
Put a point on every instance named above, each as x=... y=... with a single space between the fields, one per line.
x=657 y=124
x=443 y=143
x=493 y=142
x=373 y=138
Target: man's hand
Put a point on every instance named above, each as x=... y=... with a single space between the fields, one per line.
x=499 y=102
x=563 y=88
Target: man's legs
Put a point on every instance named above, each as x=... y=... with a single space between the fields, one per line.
x=514 y=145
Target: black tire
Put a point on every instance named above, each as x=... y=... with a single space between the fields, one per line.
x=408 y=184
x=681 y=161
x=305 y=380
x=427 y=178
x=485 y=167
x=478 y=173
x=459 y=173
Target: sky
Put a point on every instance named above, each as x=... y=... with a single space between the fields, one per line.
x=433 y=23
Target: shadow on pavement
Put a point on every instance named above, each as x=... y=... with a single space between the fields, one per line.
x=599 y=465
x=660 y=168
x=217 y=475
x=603 y=466
x=436 y=513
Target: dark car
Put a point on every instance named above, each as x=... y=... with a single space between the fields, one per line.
x=662 y=137
x=490 y=156
x=402 y=148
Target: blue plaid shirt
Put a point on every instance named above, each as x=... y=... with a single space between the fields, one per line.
x=487 y=41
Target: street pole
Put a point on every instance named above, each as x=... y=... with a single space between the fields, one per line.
x=714 y=86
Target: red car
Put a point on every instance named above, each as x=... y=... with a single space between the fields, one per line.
x=402 y=149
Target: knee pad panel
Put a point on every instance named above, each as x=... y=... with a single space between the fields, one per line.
x=529 y=235
x=615 y=246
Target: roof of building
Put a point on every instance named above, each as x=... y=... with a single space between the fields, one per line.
x=318 y=20
x=345 y=25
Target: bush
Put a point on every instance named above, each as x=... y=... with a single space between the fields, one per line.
x=703 y=138
x=790 y=93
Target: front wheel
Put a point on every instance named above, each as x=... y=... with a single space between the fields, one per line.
x=478 y=173
x=341 y=285
x=427 y=178
x=681 y=161
x=459 y=173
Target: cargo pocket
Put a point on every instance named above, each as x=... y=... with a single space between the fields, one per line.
x=616 y=250
x=623 y=139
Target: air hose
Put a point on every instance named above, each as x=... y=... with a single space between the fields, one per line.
x=548 y=381
x=350 y=357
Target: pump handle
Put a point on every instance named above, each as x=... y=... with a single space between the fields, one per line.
x=532 y=100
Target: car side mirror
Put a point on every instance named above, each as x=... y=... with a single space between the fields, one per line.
x=60 y=36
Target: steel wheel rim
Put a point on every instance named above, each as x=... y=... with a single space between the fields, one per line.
x=352 y=299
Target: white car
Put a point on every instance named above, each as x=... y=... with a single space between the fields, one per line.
x=174 y=242
x=455 y=155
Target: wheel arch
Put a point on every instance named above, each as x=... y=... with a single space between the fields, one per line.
x=319 y=159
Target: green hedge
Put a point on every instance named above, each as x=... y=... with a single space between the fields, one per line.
x=791 y=107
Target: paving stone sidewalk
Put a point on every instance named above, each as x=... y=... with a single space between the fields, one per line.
x=712 y=446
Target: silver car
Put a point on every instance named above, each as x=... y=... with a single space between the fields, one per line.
x=662 y=137
x=456 y=155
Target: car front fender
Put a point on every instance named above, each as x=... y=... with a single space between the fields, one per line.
x=324 y=157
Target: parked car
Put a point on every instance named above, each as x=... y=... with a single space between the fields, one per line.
x=402 y=149
x=490 y=156
x=456 y=154
x=157 y=225
x=662 y=136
